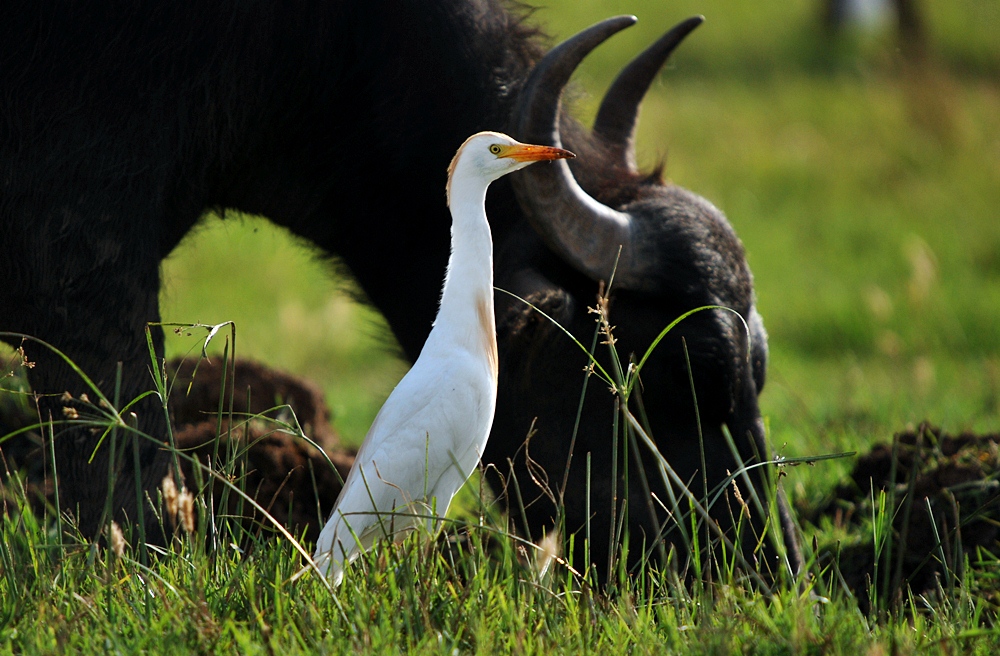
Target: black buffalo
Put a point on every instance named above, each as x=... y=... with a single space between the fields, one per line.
x=122 y=124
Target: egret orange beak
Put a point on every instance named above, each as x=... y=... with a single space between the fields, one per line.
x=529 y=153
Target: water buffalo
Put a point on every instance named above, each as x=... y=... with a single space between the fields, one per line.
x=122 y=124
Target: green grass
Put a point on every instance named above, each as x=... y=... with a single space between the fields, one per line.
x=490 y=595
x=868 y=197
x=417 y=600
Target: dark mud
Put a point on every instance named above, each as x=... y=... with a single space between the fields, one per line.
x=940 y=494
x=255 y=442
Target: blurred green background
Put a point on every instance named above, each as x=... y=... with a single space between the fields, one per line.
x=865 y=187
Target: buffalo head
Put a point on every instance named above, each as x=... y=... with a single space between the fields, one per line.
x=653 y=251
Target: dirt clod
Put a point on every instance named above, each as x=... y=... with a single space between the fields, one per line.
x=256 y=443
x=942 y=494
x=291 y=479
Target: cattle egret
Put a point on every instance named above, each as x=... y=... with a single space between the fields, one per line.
x=428 y=437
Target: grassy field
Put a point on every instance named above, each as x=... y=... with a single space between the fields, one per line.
x=867 y=193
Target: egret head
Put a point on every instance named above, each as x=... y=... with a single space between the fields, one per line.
x=488 y=156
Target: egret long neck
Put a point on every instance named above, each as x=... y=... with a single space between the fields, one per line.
x=466 y=313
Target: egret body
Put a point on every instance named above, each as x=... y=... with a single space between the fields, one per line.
x=430 y=433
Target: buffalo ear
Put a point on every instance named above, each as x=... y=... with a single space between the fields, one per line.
x=527 y=337
x=520 y=321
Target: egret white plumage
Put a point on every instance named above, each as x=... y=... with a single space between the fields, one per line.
x=430 y=433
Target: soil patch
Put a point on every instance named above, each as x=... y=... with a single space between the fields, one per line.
x=259 y=442
x=935 y=497
x=256 y=440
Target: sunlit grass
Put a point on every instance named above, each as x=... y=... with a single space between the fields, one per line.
x=487 y=591
x=868 y=202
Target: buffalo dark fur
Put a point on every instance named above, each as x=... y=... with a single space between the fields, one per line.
x=123 y=124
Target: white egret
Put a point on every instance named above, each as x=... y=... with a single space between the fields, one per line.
x=430 y=433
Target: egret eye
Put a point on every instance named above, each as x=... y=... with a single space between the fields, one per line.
x=496 y=149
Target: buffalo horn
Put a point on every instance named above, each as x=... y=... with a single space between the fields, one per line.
x=618 y=114
x=582 y=231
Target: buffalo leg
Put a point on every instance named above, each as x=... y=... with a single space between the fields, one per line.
x=89 y=289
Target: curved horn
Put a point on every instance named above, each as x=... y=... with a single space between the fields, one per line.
x=582 y=231
x=619 y=112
